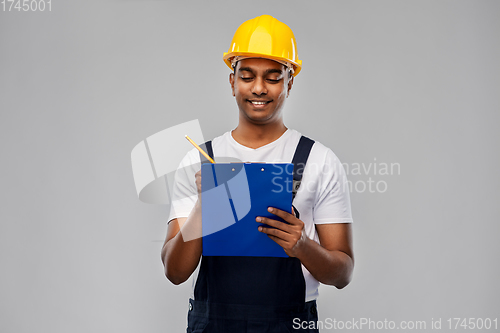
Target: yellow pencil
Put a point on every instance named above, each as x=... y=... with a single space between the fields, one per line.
x=201 y=150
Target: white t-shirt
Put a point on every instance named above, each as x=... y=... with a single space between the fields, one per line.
x=323 y=196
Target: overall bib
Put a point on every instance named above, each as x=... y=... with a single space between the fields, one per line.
x=253 y=294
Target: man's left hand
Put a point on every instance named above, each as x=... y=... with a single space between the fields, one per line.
x=291 y=237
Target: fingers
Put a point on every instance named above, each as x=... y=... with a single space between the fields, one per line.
x=285 y=240
x=282 y=235
x=273 y=223
x=284 y=244
x=290 y=218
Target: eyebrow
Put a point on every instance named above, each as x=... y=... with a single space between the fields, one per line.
x=269 y=71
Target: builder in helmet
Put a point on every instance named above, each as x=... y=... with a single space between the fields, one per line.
x=265 y=294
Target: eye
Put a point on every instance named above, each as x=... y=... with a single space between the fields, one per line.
x=247 y=79
x=273 y=80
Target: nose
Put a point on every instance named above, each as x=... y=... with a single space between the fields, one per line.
x=259 y=86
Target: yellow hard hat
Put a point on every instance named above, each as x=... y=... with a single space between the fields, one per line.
x=265 y=37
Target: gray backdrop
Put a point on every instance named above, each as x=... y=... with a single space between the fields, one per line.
x=413 y=83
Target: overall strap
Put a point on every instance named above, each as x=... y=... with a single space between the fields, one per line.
x=207 y=147
x=299 y=161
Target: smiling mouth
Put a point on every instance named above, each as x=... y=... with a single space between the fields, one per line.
x=259 y=103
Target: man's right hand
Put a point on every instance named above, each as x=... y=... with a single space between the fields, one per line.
x=182 y=249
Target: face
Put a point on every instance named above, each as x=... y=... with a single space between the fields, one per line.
x=260 y=87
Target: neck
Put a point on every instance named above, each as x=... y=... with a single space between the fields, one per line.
x=258 y=135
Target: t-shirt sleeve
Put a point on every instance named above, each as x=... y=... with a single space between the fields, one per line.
x=333 y=204
x=183 y=192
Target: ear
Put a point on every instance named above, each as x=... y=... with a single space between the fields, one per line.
x=231 y=82
x=290 y=83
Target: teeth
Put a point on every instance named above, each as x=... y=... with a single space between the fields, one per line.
x=259 y=103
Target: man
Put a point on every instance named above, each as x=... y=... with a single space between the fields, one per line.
x=261 y=294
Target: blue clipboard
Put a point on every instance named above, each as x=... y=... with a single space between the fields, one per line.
x=233 y=195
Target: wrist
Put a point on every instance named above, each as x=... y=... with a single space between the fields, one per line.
x=302 y=246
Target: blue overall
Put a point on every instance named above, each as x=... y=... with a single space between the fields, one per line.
x=253 y=294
